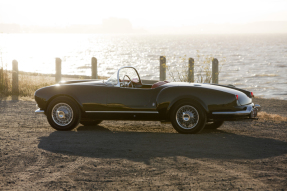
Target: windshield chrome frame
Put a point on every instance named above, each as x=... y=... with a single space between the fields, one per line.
x=118 y=75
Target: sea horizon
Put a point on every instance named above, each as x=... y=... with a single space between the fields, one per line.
x=256 y=62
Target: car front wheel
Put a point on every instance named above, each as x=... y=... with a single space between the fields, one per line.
x=63 y=114
x=188 y=118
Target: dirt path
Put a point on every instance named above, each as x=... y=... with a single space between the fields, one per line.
x=141 y=155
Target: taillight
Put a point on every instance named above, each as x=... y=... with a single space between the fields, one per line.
x=252 y=95
x=236 y=97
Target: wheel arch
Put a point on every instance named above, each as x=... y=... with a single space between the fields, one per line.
x=188 y=98
x=65 y=95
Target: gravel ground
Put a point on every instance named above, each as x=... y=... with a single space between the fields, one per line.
x=121 y=155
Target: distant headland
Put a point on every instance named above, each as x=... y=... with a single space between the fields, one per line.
x=110 y=25
x=123 y=26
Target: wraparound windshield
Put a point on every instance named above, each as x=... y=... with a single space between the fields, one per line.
x=113 y=79
x=129 y=71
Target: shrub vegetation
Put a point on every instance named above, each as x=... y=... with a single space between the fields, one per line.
x=178 y=72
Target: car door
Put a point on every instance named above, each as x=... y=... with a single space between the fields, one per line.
x=131 y=99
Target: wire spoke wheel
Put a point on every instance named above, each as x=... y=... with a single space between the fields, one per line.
x=187 y=117
x=62 y=114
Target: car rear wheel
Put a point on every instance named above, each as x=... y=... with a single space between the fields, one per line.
x=187 y=117
x=63 y=113
x=214 y=125
x=91 y=122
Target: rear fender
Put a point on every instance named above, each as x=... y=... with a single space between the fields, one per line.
x=248 y=93
x=191 y=98
x=167 y=97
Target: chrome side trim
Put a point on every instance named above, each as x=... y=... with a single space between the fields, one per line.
x=38 y=111
x=232 y=113
x=122 y=112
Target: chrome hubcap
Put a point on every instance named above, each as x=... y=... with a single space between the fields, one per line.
x=62 y=114
x=187 y=117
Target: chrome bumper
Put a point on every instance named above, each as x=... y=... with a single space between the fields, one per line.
x=251 y=110
x=38 y=111
x=258 y=107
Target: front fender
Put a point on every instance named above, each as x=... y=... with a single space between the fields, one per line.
x=45 y=95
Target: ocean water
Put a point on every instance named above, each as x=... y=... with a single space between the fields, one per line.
x=254 y=62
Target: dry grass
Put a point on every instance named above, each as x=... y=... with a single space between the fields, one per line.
x=28 y=84
x=271 y=117
x=4 y=81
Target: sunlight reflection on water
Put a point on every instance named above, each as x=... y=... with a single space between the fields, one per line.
x=253 y=62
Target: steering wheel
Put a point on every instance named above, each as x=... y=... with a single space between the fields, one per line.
x=130 y=82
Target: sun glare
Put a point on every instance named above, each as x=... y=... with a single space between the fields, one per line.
x=148 y=13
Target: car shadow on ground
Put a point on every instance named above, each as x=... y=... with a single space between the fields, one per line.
x=99 y=142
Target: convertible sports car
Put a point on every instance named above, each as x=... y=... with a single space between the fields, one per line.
x=190 y=107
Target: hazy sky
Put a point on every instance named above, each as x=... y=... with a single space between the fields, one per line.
x=141 y=13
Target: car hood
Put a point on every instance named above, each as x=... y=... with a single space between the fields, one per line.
x=84 y=82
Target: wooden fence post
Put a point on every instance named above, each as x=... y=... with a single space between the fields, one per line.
x=215 y=71
x=58 y=70
x=94 y=68
x=1 y=79
x=190 y=70
x=15 y=86
x=162 y=68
